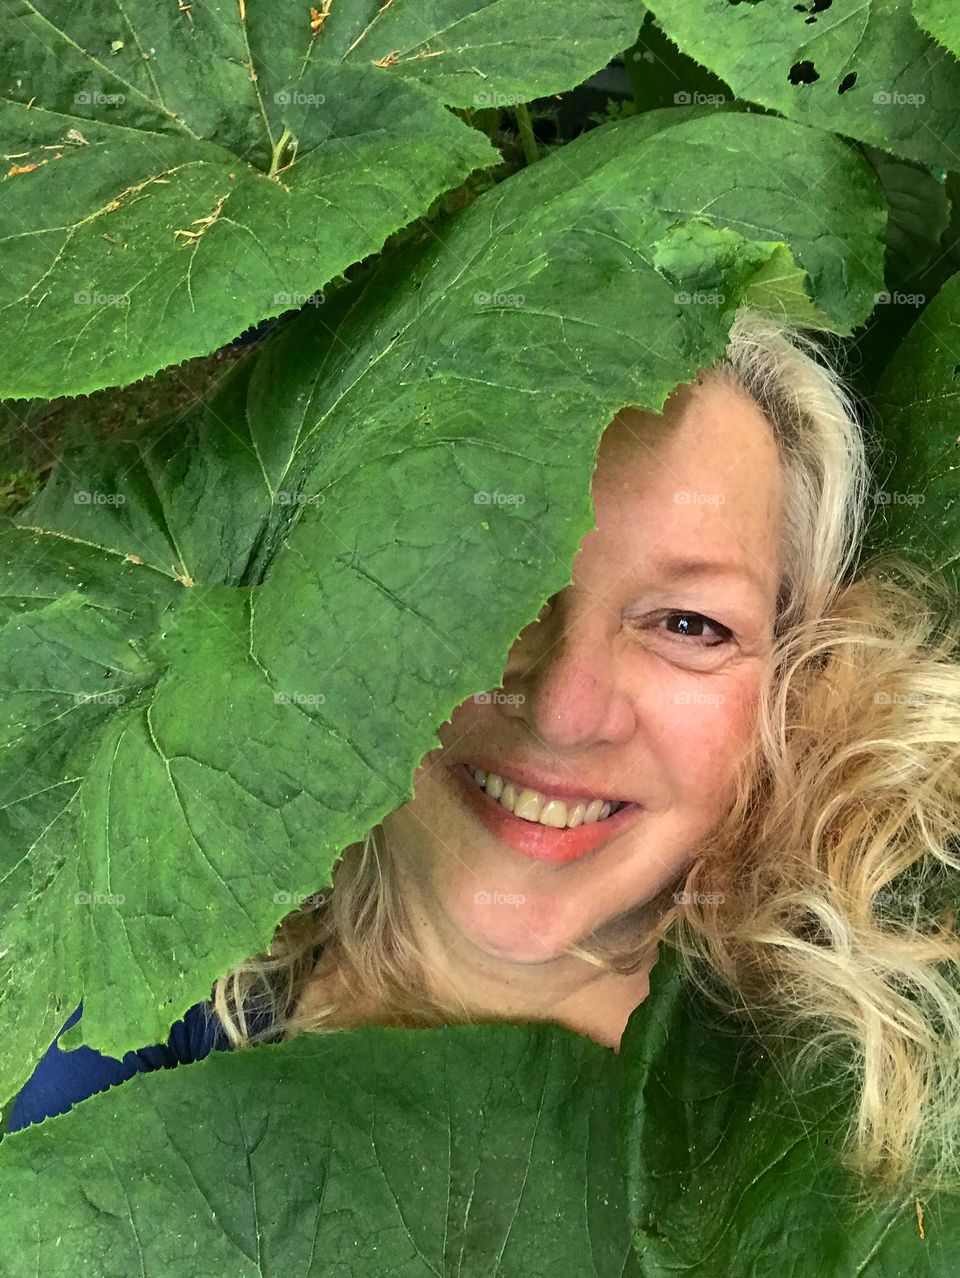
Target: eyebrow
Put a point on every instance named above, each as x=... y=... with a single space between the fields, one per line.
x=684 y=568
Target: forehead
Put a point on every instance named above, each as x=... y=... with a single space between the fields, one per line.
x=703 y=477
x=704 y=426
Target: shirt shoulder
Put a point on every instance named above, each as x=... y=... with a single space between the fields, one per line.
x=62 y=1078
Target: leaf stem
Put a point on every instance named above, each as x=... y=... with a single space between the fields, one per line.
x=527 y=139
x=278 y=152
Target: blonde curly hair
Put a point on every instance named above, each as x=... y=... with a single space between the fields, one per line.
x=809 y=911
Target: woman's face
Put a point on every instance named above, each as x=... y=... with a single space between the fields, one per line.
x=637 y=682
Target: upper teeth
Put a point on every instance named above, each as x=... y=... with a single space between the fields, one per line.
x=531 y=805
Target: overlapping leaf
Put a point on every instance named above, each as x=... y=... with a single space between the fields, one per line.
x=414 y=1153
x=372 y=480
x=918 y=404
x=859 y=67
x=730 y=1171
x=177 y=172
x=941 y=19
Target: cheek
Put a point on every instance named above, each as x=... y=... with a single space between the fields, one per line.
x=706 y=735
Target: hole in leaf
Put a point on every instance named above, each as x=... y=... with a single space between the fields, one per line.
x=803 y=72
x=813 y=8
x=956 y=369
x=848 y=81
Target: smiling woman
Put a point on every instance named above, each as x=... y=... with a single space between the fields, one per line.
x=726 y=735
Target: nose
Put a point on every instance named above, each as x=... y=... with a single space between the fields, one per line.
x=563 y=677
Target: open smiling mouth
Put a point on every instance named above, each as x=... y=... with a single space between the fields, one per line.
x=597 y=823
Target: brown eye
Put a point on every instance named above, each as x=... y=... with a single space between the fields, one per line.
x=692 y=626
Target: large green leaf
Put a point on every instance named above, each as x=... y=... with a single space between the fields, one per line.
x=732 y=1172
x=859 y=67
x=177 y=173
x=356 y=493
x=464 y=1150
x=918 y=406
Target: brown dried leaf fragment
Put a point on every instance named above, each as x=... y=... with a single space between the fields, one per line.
x=203 y=222
x=318 y=17
x=388 y=61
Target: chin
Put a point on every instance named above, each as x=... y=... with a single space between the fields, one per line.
x=514 y=926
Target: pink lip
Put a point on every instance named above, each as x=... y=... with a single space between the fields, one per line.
x=540 y=842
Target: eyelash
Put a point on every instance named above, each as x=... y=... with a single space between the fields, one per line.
x=726 y=635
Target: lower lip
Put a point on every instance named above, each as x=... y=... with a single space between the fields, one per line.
x=542 y=842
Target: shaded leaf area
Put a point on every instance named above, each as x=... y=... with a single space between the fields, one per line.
x=917 y=403
x=919 y=216
x=863 y=68
x=465 y=1150
x=178 y=173
x=390 y=500
x=732 y=1172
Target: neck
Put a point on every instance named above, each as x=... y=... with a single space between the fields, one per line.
x=565 y=990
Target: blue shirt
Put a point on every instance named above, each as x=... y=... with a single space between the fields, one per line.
x=60 y=1078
